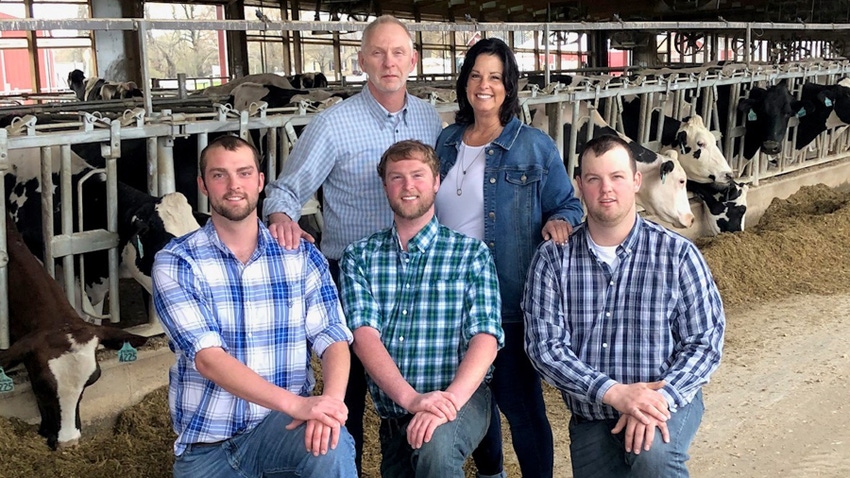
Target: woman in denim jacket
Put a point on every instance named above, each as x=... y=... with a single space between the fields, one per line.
x=492 y=162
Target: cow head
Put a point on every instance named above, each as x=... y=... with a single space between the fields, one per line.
x=698 y=153
x=767 y=113
x=724 y=206
x=155 y=225
x=663 y=191
x=77 y=82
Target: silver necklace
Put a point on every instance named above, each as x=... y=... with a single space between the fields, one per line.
x=459 y=178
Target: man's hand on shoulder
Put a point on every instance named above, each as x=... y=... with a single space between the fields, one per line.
x=287 y=232
x=639 y=436
x=558 y=230
x=641 y=400
x=421 y=428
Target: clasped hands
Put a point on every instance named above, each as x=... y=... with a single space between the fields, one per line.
x=430 y=410
x=643 y=410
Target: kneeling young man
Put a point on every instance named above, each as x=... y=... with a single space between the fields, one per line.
x=625 y=319
x=423 y=302
x=242 y=315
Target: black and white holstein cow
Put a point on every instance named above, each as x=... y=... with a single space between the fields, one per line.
x=724 y=206
x=145 y=223
x=662 y=193
x=55 y=345
x=826 y=107
x=697 y=146
x=94 y=89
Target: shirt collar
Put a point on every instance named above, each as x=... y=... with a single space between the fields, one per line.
x=264 y=238
x=628 y=244
x=379 y=112
x=505 y=140
x=422 y=240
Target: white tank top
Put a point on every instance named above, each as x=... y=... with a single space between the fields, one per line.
x=460 y=200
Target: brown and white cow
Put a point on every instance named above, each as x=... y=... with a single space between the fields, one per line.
x=55 y=345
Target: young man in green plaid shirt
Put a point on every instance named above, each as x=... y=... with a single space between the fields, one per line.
x=423 y=302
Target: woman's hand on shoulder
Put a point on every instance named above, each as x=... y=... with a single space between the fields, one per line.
x=557 y=230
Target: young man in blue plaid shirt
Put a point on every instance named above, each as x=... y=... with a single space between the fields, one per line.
x=423 y=302
x=625 y=319
x=243 y=314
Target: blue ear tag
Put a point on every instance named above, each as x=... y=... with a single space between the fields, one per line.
x=827 y=102
x=663 y=178
x=6 y=383
x=139 y=247
x=127 y=353
x=751 y=116
x=801 y=113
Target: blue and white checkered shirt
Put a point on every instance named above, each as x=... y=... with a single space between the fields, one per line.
x=268 y=313
x=340 y=150
x=658 y=316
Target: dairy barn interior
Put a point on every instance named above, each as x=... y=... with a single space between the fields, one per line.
x=676 y=56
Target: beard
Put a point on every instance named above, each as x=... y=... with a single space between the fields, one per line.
x=234 y=213
x=412 y=211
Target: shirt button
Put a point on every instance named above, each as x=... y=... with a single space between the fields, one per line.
x=607 y=314
x=404 y=312
x=604 y=345
x=611 y=283
x=401 y=339
x=490 y=152
x=492 y=215
x=523 y=177
x=492 y=180
x=492 y=245
x=406 y=261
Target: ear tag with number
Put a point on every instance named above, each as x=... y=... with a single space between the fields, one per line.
x=751 y=116
x=127 y=353
x=6 y=383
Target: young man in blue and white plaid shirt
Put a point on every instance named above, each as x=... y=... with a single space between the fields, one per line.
x=243 y=314
x=423 y=302
x=625 y=319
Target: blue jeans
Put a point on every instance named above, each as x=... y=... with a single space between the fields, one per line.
x=595 y=452
x=269 y=450
x=518 y=393
x=445 y=454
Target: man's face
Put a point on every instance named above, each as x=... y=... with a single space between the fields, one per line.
x=608 y=186
x=387 y=58
x=232 y=182
x=411 y=187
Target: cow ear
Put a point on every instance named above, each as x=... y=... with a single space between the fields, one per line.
x=827 y=98
x=681 y=139
x=666 y=168
x=745 y=105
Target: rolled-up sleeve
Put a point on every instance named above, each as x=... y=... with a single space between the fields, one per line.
x=360 y=306
x=325 y=322
x=483 y=300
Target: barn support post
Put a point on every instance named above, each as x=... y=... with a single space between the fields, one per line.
x=112 y=217
x=143 y=52
x=47 y=209
x=153 y=169
x=556 y=122
x=67 y=204
x=572 y=162
x=4 y=251
x=271 y=154
x=203 y=201
x=165 y=164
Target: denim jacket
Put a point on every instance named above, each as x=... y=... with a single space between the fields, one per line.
x=525 y=185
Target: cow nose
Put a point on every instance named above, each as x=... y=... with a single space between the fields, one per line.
x=771 y=147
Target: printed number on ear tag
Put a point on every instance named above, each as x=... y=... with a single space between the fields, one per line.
x=127 y=353
x=6 y=383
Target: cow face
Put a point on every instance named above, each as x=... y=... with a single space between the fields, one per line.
x=663 y=193
x=767 y=114
x=699 y=155
x=724 y=207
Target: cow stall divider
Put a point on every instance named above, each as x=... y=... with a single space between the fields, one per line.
x=675 y=95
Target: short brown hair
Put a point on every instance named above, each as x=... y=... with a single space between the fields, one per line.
x=406 y=150
x=601 y=145
x=384 y=20
x=230 y=143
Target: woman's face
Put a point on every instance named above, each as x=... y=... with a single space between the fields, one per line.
x=485 y=88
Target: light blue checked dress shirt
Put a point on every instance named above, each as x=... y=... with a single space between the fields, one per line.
x=340 y=150
x=658 y=316
x=269 y=314
x=427 y=303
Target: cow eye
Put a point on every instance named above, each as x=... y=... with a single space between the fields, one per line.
x=701 y=144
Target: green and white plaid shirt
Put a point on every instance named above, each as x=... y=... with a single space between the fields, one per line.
x=427 y=303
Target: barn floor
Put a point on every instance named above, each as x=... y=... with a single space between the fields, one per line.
x=777 y=406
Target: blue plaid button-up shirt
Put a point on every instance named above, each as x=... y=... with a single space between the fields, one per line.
x=268 y=313
x=657 y=316
x=426 y=303
x=340 y=150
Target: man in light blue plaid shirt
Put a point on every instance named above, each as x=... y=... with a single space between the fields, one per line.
x=339 y=150
x=424 y=305
x=626 y=320
x=243 y=315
